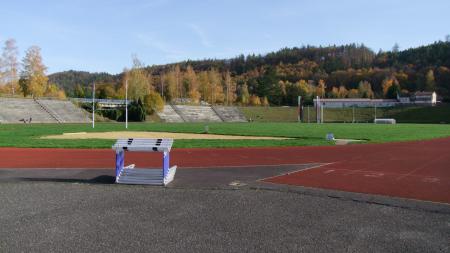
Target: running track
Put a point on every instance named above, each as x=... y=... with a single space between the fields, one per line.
x=417 y=170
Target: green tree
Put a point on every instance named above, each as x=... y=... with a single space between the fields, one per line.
x=136 y=111
x=393 y=91
x=78 y=91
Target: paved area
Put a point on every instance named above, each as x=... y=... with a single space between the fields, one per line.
x=224 y=200
x=81 y=210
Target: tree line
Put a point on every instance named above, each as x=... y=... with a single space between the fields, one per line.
x=277 y=78
x=27 y=78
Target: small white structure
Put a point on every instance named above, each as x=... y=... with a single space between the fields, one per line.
x=131 y=175
x=424 y=98
x=384 y=121
x=417 y=98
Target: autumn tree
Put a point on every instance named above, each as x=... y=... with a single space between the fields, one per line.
x=153 y=102
x=334 y=93
x=342 y=92
x=353 y=93
x=52 y=90
x=230 y=88
x=320 y=88
x=215 y=79
x=191 y=84
x=179 y=89
x=430 y=83
x=205 y=86
x=33 y=73
x=9 y=66
x=386 y=85
x=255 y=100
x=244 y=95
x=138 y=82
x=365 y=89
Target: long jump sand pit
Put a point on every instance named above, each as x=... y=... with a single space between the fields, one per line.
x=135 y=134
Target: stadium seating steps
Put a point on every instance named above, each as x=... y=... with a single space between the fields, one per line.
x=16 y=110
x=191 y=113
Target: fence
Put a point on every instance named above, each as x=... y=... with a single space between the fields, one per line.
x=403 y=114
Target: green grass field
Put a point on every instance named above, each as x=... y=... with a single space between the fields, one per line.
x=28 y=135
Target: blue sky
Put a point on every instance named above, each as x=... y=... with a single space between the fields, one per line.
x=101 y=36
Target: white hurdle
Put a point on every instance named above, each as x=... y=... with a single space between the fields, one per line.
x=131 y=175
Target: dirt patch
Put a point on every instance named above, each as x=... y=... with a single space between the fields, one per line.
x=132 y=134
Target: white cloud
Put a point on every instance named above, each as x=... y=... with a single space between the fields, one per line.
x=204 y=40
x=169 y=51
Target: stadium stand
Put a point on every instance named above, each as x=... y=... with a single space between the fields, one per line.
x=191 y=113
x=65 y=111
x=229 y=113
x=16 y=110
x=170 y=115
x=197 y=113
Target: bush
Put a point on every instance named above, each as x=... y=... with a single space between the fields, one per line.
x=136 y=112
x=153 y=103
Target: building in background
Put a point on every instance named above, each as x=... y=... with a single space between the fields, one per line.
x=417 y=98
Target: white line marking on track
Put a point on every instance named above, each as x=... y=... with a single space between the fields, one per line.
x=294 y=171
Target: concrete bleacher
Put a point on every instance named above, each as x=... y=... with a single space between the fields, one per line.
x=14 y=110
x=66 y=111
x=170 y=115
x=229 y=113
x=192 y=113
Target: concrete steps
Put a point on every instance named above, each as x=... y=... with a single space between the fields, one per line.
x=66 y=111
x=197 y=113
x=229 y=113
x=14 y=110
x=170 y=115
x=191 y=113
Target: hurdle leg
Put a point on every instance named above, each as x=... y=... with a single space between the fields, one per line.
x=166 y=164
x=120 y=159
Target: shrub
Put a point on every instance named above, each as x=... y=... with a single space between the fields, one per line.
x=153 y=103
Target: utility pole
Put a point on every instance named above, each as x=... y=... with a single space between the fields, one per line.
x=353 y=114
x=93 y=105
x=126 y=104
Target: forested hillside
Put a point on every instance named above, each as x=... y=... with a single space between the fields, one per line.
x=279 y=77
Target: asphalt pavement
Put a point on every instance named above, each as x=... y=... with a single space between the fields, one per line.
x=83 y=211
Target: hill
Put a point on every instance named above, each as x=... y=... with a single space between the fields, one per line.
x=333 y=71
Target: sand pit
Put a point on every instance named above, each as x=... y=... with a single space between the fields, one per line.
x=132 y=134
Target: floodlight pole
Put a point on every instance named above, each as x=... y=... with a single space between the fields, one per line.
x=126 y=104
x=93 y=105
x=375 y=106
x=321 y=113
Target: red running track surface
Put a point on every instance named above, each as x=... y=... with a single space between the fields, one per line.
x=418 y=170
